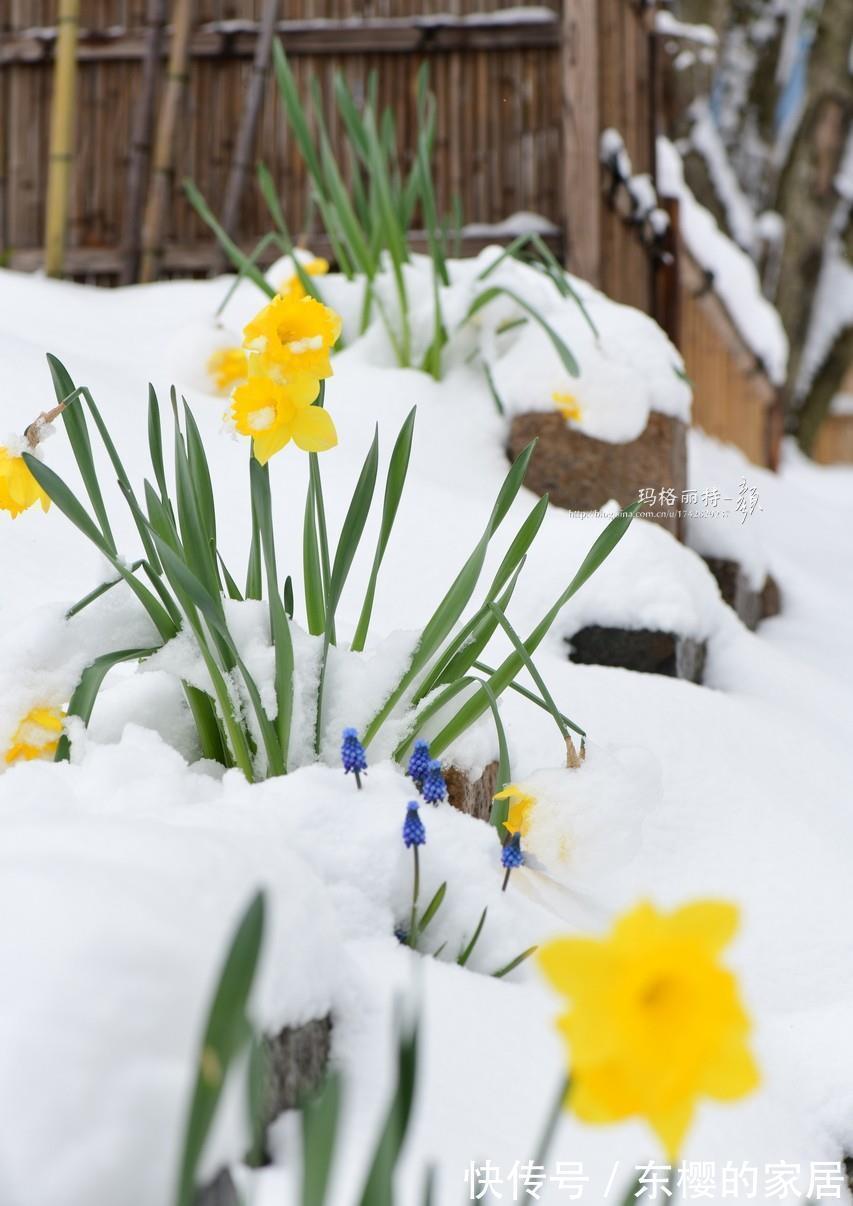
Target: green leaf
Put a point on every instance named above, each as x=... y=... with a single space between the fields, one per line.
x=59 y=493
x=155 y=442
x=378 y=1187
x=312 y=574
x=560 y=347
x=354 y=523
x=432 y=908
x=231 y=586
x=514 y=963
x=540 y=703
x=270 y=196
x=294 y=110
x=320 y=1115
x=468 y=950
x=279 y=626
x=458 y=595
x=74 y=419
x=459 y=654
x=504 y=774
x=398 y=467
x=225 y=1034
x=83 y=603
x=545 y=694
x=506 y=672
x=86 y=692
x=236 y=256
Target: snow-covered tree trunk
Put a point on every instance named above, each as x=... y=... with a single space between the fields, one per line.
x=781 y=106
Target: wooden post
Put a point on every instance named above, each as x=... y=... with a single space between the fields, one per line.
x=61 y=136
x=164 y=147
x=140 y=147
x=242 y=160
x=666 y=309
x=580 y=120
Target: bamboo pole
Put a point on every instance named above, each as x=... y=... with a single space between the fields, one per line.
x=140 y=147
x=164 y=147
x=243 y=147
x=61 y=136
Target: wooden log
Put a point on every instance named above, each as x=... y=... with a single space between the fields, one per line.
x=158 y=198
x=140 y=146
x=642 y=649
x=581 y=473
x=472 y=796
x=736 y=590
x=61 y=137
x=249 y=121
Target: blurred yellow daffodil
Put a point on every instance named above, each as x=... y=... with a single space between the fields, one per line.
x=295 y=336
x=293 y=288
x=227 y=367
x=37 y=736
x=655 y=1021
x=19 y=490
x=568 y=405
x=521 y=806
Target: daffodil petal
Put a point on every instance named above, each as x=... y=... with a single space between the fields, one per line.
x=713 y=923
x=268 y=443
x=313 y=429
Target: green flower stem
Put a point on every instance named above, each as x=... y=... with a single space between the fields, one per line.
x=416 y=888
x=551 y=1122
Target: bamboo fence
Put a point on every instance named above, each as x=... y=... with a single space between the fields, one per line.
x=523 y=95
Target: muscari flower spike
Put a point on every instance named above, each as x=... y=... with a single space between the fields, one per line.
x=512 y=856
x=434 y=788
x=414 y=833
x=419 y=763
x=353 y=756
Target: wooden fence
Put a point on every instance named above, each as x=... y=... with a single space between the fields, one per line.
x=523 y=96
x=497 y=81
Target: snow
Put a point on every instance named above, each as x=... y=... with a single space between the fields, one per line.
x=705 y=137
x=125 y=871
x=667 y=23
x=735 y=276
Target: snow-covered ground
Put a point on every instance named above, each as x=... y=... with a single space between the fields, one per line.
x=123 y=872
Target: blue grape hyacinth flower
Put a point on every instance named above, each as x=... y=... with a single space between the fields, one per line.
x=414 y=833
x=353 y=756
x=512 y=856
x=434 y=787
x=419 y=763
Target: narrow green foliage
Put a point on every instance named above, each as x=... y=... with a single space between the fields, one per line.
x=398 y=467
x=514 y=963
x=237 y=257
x=226 y=1033
x=468 y=950
x=86 y=692
x=559 y=344
x=378 y=1188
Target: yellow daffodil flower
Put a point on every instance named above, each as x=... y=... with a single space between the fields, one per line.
x=655 y=1022
x=521 y=806
x=37 y=736
x=568 y=405
x=227 y=367
x=293 y=288
x=19 y=490
x=295 y=336
x=273 y=414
